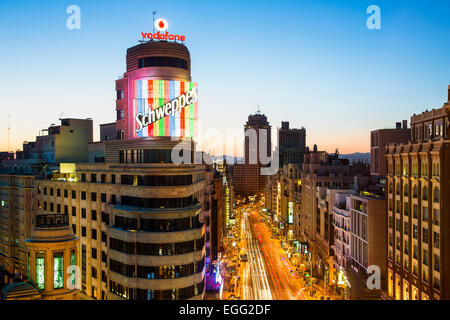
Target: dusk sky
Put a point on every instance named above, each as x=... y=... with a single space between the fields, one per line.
x=313 y=63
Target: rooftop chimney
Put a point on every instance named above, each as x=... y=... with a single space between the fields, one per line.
x=405 y=124
x=398 y=125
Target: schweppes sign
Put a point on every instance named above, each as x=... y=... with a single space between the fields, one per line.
x=172 y=108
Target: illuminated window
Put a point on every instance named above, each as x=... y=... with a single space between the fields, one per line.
x=72 y=264
x=40 y=271
x=58 y=276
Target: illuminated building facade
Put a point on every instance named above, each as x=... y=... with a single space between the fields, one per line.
x=66 y=142
x=52 y=252
x=158 y=74
x=144 y=221
x=418 y=181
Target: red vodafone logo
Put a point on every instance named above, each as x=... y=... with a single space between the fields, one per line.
x=161 y=25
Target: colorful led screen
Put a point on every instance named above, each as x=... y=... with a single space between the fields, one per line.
x=165 y=108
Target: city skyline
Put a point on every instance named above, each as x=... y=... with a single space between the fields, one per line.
x=334 y=65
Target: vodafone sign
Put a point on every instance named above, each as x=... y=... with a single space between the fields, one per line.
x=161 y=25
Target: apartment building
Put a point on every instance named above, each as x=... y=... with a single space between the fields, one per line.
x=418 y=206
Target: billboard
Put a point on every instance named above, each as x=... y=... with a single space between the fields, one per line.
x=165 y=108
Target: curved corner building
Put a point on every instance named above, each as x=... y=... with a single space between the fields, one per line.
x=157 y=237
x=138 y=215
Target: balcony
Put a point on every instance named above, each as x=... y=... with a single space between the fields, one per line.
x=52 y=220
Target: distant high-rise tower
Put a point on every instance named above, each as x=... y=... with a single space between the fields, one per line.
x=258 y=122
x=247 y=177
x=292 y=144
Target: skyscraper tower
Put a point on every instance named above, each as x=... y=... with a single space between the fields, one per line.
x=247 y=177
x=258 y=122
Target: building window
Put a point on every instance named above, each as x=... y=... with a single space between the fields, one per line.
x=425 y=235
x=94 y=215
x=425 y=213
x=58 y=264
x=83 y=266
x=40 y=271
x=425 y=257
x=120 y=94
x=120 y=114
x=436 y=262
x=74 y=228
x=93 y=196
x=83 y=195
x=58 y=192
x=436 y=240
x=83 y=213
x=74 y=194
x=105 y=217
x=74 y=211
x=415 y=231
x=83 y=231
x=436 y=195
x=94 y=272
x=103 y=197
x=51 y=191
x=94 y=253
x=425 y=193
x=93 y=177
x=436 y=216
x=83 y=177
x=94 y=234
x=72 y=267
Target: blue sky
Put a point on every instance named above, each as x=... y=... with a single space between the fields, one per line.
x=314 y=63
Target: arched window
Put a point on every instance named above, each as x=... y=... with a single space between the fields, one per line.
x=405 y=190
x=398 y=188
x=436 y=195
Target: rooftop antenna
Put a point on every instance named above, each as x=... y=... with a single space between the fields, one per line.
x=9 y=130
x=258 y=111
x=60 y=117
x=154 y=12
